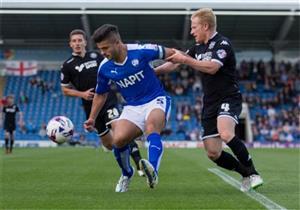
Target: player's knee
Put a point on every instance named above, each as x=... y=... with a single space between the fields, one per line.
x=107 y=141
x=119 y=142
x=213 y=154
x=226 y=135
x=6 y=135
x=151 y=128
x=107 y=145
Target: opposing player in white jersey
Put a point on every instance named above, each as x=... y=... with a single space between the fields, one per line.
x=147 y=108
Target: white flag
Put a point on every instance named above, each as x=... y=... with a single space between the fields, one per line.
x=21 y=68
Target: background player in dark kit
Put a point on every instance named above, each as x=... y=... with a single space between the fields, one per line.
x=10 y=111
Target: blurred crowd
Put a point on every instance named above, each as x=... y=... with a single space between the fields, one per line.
x=270 y=89
x=22 y=100
x=272 y=93
x=44 y=86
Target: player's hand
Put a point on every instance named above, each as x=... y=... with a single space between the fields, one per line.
x=177 y=57
x=89 y=125
x=88 y=94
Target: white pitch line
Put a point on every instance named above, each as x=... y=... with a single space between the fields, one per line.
x=268 y=203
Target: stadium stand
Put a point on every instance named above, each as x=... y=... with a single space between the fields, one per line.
x=267 y=87
x=44 y=102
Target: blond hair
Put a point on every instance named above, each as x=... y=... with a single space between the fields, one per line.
x=206 y=15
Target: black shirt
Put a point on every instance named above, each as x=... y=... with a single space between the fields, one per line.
x=10 y=115
x=224 y=82
x=81 y=73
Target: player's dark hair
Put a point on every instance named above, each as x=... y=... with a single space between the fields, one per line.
x=77 y=31
x=106 y=31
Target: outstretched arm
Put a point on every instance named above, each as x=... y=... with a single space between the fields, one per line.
x=209 y=67
x=168 y=66
x=98 y=102
x=87 y=95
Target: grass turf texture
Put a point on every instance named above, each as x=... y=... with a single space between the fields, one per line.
x=85 y=178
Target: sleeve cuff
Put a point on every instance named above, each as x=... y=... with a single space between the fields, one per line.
x=65 y=85
x=161 y=51
x=217 y=61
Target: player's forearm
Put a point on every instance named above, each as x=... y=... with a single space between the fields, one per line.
x=72 y=92
x=166 y=68
x=208 y=67
x=98 y=102
x=169 y=52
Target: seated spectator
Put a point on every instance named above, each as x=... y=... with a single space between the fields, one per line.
x=197 y=86
x=82 y=139
x=179 y=114
x=43 y=131
x=22 y=127
x=179 y=90
x=23 y=98
x=271 y=111
x=186 y=110
x=181 y=128
x=33 y=81
x=274 y=135
x=167 y=131
x=194 y=134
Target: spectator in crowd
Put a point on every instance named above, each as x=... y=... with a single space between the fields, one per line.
x=195 y=134
x=43 y=131
x=181 y=128
x=167 y=131
x=22 y=127
x=23 y=98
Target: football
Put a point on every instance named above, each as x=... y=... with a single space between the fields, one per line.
x=60 y=129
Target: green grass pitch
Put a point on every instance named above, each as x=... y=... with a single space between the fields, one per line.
x=85 y=178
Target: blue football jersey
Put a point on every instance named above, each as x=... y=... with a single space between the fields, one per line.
x=135 y=77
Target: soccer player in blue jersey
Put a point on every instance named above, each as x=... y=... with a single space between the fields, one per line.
x=147 y=108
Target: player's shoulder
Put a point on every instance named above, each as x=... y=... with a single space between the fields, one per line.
x=69 y=60
x=132 y=47
x=222 y=40
x=192 y=48
x=94 y=55
x=104 y=64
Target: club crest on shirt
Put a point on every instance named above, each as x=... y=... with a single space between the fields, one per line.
x=93 y=55
x=135 y=62
x=221 y=53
